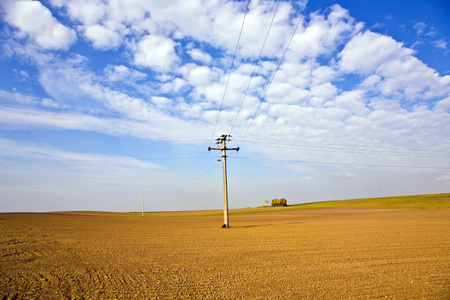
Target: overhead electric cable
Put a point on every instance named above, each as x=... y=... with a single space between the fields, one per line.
x=256 y=66
x=182 y=174
x=229 y=74
x=95 y=160
x=391 y=148
x=276 y=70
x=195 y=177
x=349 y=149
x=345 y=164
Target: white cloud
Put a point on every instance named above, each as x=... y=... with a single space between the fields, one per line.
x=24 y=74
x=353 y=101
x=216 y=23
x=36 y=21
x=324 y=91
x=156 y=52
x=47 y=102
x=444 y=179
x=33 y=117
x=440 y=44
x=174 y=86
x=32 y=151
x=343 y=175
x=199 y=75
x=323 y=74
x=371 y=82
x=367 y=51
x=257 y=23
x=412 y=78
x=298 y=75
x=146 y=124
x=168 y=65
x=443 y=105
x=420 y=27
x=322 y=34
x=162 y=103
x=394 y=71
x=88 y=12
x=102 y=37
x=62 y=83
x=49 y=170
x=200 y=56
x=383 y=104
x=17 y=98
x=123 y=73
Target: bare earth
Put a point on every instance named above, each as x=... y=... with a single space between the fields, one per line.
x=313 y=254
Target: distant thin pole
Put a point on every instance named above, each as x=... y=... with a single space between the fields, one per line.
x=143 y=202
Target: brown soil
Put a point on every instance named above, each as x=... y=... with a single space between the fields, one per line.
x=314 y=254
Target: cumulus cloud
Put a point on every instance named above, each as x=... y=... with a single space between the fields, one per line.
x=443 y=105
x=156 y=52
x=199 y=76
x=392 y=68
x=367 y=51
x=353 y=101
x=123 y=73
x=311 y=96
x=215 y=23
x=322 y=34
x=200 y=56
x=159 y=69
x=36 y=22
x=102 y=37
x=412 y=78
x=88 y=12
x=174 y=86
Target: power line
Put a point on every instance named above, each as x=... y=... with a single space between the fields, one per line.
x=197 y=176
x=276 y=70
x=256 y=66
x=97 y=160
x=349 y=149
x=181 y=181
x=345 y=164
x=78 y=139
x=229 y=74
x=191 y=166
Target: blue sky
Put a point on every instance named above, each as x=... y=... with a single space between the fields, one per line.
x=327 y=100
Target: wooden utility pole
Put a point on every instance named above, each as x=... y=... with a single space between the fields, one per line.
x=222 y=140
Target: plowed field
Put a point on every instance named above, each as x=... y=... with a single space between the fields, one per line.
x=309 y=254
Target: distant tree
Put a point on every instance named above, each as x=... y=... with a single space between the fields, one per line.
x=279 y=202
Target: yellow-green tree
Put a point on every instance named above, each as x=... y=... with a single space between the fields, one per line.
x=279 y=202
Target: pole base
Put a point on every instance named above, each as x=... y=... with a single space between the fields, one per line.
x=225 y=226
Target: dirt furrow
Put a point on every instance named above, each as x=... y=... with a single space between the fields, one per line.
x=333 y=254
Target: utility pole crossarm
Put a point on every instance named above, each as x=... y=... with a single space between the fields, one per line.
x=222 y=140
x=209 y=149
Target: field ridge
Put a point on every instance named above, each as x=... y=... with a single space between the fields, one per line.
x=428 y=201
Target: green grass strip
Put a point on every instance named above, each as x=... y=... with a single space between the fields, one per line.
x=402 y=202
